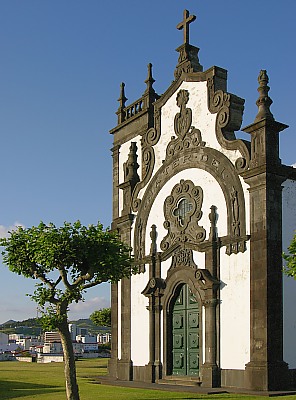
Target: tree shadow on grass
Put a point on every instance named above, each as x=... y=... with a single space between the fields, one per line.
x=13 y=389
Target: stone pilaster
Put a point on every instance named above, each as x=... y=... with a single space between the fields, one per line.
x=124 y=364
x=210 y=370
x=266 y=369
x=154 y=292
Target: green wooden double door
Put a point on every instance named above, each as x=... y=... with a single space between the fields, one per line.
x=185 y=334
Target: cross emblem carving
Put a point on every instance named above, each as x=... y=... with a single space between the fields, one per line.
x=187 y=19
x=183 y=208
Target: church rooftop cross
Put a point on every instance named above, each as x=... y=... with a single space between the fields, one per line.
x=187 y=19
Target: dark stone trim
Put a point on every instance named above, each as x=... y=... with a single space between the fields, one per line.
x=115 y=155
x=233 y=378
x=112 y=364
x=220 y=81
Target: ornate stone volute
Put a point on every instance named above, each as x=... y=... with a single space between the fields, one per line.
x=188 y=55
x=131 y=177
x=154 y=287
x=229 y=109
x=206 y=281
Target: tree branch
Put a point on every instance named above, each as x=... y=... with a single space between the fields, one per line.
x=92 y=284
x=42 y=277
x=64 y=278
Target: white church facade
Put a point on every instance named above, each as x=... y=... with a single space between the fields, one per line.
x=207 y=216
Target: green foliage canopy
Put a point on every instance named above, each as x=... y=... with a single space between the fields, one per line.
x=66 y=260
x=290 y=268
x=101 y=317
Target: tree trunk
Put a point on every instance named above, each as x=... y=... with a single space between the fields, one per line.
x=69 y=362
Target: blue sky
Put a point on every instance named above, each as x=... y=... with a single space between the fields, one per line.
x=62 y=62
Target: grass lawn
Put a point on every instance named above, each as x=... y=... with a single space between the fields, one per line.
x=24 y=381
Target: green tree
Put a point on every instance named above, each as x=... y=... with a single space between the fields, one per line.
x=290 y=268
x=67 y=261
x=101 y=317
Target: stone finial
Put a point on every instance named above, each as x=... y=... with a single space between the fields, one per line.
x=153 y=236
x=122 y=99
x=149 y=81
x=213 y=220
x=264 y=101
x=149 y=96
x=131 y=165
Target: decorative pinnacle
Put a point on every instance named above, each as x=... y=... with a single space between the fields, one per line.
x=149 y=81
x=264 y=101
x=187 y=19
x=122 y=99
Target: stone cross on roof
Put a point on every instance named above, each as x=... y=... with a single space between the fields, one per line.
x=187 y=19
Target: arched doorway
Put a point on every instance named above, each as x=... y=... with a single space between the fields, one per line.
x=185 y=333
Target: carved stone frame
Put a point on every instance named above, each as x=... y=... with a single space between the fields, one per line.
x=204 y=287
x=218 y=165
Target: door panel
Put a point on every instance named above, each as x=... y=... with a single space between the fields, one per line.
x=185 y=334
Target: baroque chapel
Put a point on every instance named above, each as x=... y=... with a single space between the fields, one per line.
x=207 y=216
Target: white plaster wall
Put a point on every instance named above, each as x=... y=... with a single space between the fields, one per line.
x=119 y=320
x=139 y=320
x=203 y=324
x=289 y=228
x=247 y=205
x=235 y=309
x=201 y=118
x=234 y=269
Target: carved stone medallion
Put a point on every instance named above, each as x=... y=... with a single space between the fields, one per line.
x=182 y=211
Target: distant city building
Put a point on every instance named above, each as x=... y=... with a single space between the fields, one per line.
x=86 y=339
x=15 y=336
x=73 y=330
x=103 y=338
x=5 y=346
x=52 y=348
x=50 y=337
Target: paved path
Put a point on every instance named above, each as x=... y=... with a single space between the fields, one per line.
x=105 y=380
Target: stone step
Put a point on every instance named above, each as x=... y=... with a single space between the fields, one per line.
x=180 y=380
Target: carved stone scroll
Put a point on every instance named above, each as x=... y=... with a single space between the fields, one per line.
x=149 y=139
x=229 y=109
